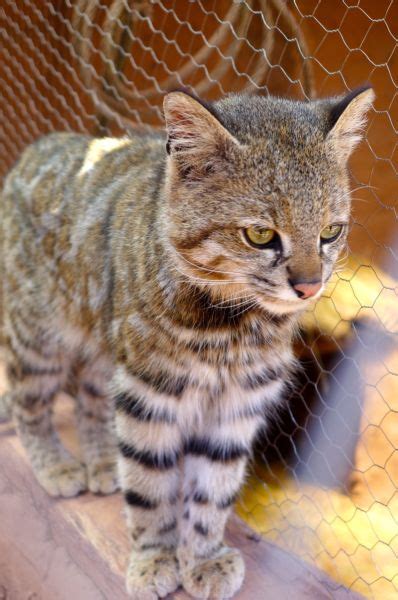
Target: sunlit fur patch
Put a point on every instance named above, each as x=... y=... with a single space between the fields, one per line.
x=207 y=264
x=97 y=150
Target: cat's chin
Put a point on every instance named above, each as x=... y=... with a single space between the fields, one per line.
x=283 y=307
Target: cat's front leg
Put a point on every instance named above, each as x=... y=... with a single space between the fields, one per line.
x=214 y=470
x=35 y=380
x=150 y=447
x=95 y=424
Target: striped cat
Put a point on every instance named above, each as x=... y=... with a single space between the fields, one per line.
x=165 y=278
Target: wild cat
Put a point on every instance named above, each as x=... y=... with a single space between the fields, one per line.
x=165 y=278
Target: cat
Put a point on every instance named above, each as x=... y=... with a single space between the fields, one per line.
x=163 y=278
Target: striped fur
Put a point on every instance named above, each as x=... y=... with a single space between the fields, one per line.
x=127 y=282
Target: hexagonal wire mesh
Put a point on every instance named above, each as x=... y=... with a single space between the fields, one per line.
x=325 y=482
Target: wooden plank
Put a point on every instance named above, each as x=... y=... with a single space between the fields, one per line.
x=51 y=554
x=77 y=548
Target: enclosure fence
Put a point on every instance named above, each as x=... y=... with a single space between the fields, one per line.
x=324 y=484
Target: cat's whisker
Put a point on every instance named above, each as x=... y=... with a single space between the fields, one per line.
x=343 y=255
x=358 y=199
x=190 y=279
x=341 y=264
x=300 y=335
x=237 y=305
x=364 y=187
x=203 y=268
x=246 y=309
x=230 y=303
x=233 y=304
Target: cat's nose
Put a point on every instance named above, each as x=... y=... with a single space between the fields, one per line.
x=306 y=289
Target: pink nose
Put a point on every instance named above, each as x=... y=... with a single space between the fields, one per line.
x=307 y=290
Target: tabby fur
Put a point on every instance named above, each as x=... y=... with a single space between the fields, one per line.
x=127 y=282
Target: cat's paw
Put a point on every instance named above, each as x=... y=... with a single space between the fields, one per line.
x=216 y=578
x=63 y=479
x=102 y=477
x=150 y=576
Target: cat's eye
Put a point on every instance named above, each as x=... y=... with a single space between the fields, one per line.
x=330 y=233
x=260 y=237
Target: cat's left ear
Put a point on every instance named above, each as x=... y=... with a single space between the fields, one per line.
x=347 y=118
x=195 y=137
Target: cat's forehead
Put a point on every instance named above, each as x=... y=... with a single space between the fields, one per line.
x=293 y=189
x=287 y=174
x=250 y=154
x=289 y=211
x=258 y=118
x=283 y=142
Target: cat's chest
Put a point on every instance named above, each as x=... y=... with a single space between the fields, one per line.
x=227 y=366
x=204 y=374
x=235 y=377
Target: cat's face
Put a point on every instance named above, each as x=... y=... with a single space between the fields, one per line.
x=258 y=195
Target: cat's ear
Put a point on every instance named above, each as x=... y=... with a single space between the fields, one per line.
x=347 y=118
x=195 y=137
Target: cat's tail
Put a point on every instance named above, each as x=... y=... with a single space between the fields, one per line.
x=5 y=407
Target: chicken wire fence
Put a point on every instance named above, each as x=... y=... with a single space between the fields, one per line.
x=324 y=482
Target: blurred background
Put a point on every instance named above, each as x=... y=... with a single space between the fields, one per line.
x=324 y=484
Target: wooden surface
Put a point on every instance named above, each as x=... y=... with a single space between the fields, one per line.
x=77 y=548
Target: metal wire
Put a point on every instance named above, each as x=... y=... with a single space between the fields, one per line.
x=324 y=485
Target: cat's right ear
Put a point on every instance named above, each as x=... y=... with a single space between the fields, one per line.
x=347 y=118
x=196 y=139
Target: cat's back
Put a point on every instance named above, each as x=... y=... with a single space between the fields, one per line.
x=55 y=214
x=45 y=163
x=62 y=188
x=65 y=170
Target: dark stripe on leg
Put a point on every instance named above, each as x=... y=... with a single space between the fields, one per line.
x=201 y=529
x=144 y=547
x=216 y=451
x=210 y=551
x=134 y=499
x=255 y=380
x=92 y=390
x=149 y=459
x=168 y=527
x=28 y=401
x=22 y=339
x=228 y=501
x=133 y=406
x=162 y=382
x=26 y=370
x=200 y=497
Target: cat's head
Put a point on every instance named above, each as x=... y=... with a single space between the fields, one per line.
x=258 y=193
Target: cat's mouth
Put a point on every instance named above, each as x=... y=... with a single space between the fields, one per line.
x=282 y=306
